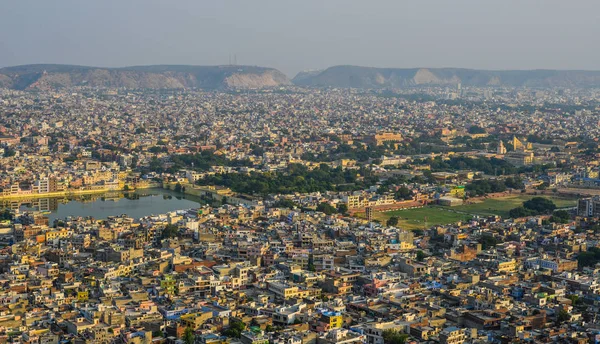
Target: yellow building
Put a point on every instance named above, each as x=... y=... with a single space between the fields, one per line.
x=457 y=191
x=406 y=245
x=332 y=319
x=288 y=292
x=379 y=139
x=356 y=201
x=517 y=144
x=507 y=266
x=501 y=148
x=301 y=260
x=519 y=158
x=121 y=270
x=452 y=335
x=195 y=320
x=51 y=235
x=83 y=296
x=168 y=285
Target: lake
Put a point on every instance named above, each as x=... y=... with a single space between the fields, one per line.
x=135 y=204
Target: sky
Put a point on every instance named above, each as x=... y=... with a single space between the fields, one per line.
x=304 y=34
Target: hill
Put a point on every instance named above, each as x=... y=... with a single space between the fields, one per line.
x=50 y=76
x=368 y=77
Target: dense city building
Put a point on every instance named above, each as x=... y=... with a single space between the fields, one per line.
x=334 y=216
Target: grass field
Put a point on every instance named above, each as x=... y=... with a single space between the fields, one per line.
x=501 y=206
x=415 y=218
x=437 y=215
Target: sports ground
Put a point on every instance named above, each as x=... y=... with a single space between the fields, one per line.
x=436 y=215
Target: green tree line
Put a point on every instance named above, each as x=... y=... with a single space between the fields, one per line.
x=295 y=178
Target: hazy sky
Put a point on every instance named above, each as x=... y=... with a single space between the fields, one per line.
x=304 y=34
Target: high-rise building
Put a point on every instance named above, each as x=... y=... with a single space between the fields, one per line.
x=589 y=207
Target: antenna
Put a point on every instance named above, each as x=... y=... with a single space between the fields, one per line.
x=235 y=59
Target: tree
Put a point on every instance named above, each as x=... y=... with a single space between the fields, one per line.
x=484 y=186
x=420 y=256
x=514 y=183
x=574 y=299
x=403 y=193
x=392 y=221
x=155 y=165
x=235 y=329
x=588 y=258
x=519 y=212
x=178 y=187
x=535 y=206
x=394 y=337
x=170 y=231
x=342 y=208
x=9 y=152
x=188 y=336
x=560 y=216
x=563 y=316
x=6 y=214
x=474 y=129
x=540 y=205
x=286 y=203
x=295 y=178
x=326 y=208
x=157 y=149
x=487 y=241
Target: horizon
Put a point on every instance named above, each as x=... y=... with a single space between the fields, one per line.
x=302 y=71
x=311 y=35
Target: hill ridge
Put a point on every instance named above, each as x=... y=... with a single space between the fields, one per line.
x=349 y=76
x=56 y=76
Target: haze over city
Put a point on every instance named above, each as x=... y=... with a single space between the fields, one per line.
x=299 y=35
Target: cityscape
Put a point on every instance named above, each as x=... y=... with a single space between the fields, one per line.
x=233 y=204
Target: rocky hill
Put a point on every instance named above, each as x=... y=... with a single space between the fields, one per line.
x=154 y=77
x=367 y=77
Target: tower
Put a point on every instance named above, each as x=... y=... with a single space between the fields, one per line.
x=501 y=148
x=369 y=213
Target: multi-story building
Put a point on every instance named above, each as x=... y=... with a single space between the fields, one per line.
x=589 y=207
x=452 y=335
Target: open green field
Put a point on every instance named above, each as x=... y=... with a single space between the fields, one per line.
x=415 y=218
x=501 y=206
x=438 y=215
